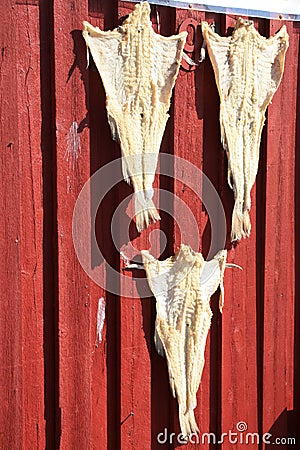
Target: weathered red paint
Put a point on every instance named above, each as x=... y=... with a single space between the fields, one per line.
x=58 y=390
x=279 y=276
x=21 y=328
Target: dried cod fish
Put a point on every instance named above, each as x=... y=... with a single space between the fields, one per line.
x=248 y=69
x=182 y=286
x=138 y=68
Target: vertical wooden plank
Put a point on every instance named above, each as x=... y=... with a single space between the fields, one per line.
x=188 y=144
x=196 y=141
x=105 y=399
x=76 y=293
x=11 y=309
x=22 y=394
x=188 y=130
x=99 y=386
x=213 y=159
x=239 y=371
x=239 y=340
x=280 y=242
x=135 y=373
x=163 y=405
x=294 y=416
x=31 y=221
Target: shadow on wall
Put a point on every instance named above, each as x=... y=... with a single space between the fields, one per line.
x=50 y=246
x=80 y=62
x=282 y=435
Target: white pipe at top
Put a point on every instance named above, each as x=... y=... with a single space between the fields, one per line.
x=275 y=9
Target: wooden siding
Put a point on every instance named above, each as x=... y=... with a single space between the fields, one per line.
x=59 y=390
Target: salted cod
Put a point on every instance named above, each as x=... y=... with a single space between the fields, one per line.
x=248 y=69
x=138 y=69
x=182 y=286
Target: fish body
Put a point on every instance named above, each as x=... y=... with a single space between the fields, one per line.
x=248 y=69
x=138 y=68
x=182 y=286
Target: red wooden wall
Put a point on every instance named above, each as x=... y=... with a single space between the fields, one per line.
x=58 y=390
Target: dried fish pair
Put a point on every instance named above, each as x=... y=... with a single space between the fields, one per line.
x=138 y=68
x=248 y=69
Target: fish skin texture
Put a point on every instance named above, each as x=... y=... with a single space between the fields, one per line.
x=138 y=69
x=182 y=286
x=248 y=69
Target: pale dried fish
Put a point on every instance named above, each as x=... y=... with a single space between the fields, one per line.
x=138 y=68
x=182 y=286
x=248 y=69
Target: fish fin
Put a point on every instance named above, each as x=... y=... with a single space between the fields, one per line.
x=116 y=137
x=159 y=345
x=221 y=298
x=188 y=59
x=172 y=382
x=125 y=171
x=232 y=266
x=113 y=128
x=145 y=211
x=241 y=224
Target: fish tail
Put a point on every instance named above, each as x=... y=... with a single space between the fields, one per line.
x=241 y=224
x=145 y=211
x=172 y=383
x=187 y=422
